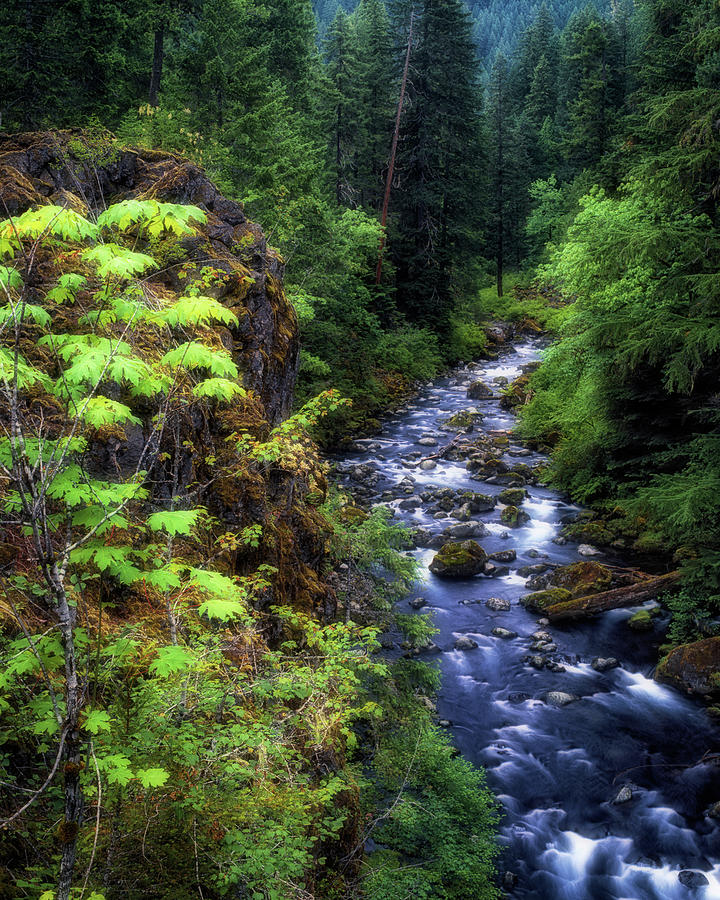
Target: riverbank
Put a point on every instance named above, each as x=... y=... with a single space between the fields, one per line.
x=531 y=706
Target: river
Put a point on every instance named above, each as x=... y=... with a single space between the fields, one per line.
x=555 y=769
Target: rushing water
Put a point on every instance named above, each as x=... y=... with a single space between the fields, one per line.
x=556 y=770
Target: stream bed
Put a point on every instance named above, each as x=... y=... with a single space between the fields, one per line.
x=558 y=770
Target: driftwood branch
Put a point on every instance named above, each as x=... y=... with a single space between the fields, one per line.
x=615 y=599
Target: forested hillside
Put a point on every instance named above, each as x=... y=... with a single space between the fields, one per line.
x=199 y=294
x=498 y=25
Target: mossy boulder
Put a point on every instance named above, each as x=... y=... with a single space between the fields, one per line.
x=643 y=619
x=517 y=394
x=461 y=559
x=583 y=578
x=540 y=600
x=694 y=668
x=596 y=533
x=479 y=391
x=514 y=517
x=463 y=420
x=512 y=496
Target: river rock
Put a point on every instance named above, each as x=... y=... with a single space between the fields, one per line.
x=691 y=667
x=713 y=811
x=537 y=662
x=514 y=517
x=479 y=391
x=560 y=698
x=504 y=556
x=427 y=442
x=537 y=583
x=692 y=879
x=418 y=602
x=464 y=559
x=541 y=636
x=512 y=496
x=411 y=502
x=463 y=513
x=588 y=550
x=428 y=464
x=465 y=643
x=602 y=664
x=624 y=795
x=642 y=620
x=422 y=537
x=503 y=633
x=498 y=604
x=536 y=569
x=466 y=530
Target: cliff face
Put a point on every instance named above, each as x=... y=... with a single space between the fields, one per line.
x=64 y=169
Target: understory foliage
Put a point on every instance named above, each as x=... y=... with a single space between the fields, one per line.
x=628 y=397
x=171 y=724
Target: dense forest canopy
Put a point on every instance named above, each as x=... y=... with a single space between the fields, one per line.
x=179 y=634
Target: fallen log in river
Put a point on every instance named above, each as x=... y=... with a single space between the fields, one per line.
x=580 y=607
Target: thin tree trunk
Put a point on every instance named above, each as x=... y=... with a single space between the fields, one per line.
x=393 y=151
x=157 y=65
x=74 y=799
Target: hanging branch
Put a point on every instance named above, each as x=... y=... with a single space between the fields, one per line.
x=393 y=150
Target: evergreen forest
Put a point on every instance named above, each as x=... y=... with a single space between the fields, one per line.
x=244 y=246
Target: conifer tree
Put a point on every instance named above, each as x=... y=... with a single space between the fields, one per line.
x=376 y=93
x=342 y=71
x=439 y=163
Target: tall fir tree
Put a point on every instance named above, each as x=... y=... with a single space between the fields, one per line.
x=440 y=161
x=376 y=94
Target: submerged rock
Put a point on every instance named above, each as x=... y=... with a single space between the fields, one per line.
x=459 y=560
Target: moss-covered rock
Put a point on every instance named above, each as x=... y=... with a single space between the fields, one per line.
x=517 y=394
x=583 y=578
x=479 y=391
x=693 y=668
x=596 y=533
x=465 y=419
x=512 y=496
x=462 y=559
x=514 y=517
x=643 y=619
x=540 y=600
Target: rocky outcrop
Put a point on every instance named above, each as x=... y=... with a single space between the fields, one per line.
x=694 y=668
x=40 y=168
